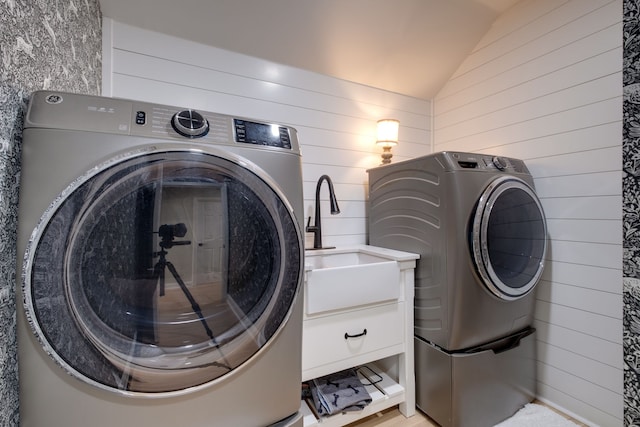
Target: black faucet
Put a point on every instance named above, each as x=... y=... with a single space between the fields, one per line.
x=316 y=229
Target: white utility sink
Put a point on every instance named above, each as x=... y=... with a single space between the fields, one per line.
x=352 y=276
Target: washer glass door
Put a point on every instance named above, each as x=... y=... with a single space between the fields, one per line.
x=509 y=238
x=161 y=272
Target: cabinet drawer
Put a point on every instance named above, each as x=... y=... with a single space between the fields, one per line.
x=339 y=337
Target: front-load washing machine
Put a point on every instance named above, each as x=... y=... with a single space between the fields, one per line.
x=162 y=260
x=480 y=230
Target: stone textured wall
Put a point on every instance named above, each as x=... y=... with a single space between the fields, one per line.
x=43 y=45
x=631 y=211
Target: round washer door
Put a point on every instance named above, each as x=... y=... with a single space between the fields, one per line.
x=509 y=238
x=161 y=272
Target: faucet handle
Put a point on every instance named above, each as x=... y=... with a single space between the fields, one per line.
x=311 y=228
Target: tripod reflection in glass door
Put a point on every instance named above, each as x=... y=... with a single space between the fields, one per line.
x=196 y=309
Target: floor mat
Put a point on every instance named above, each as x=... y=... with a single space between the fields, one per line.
x=534 y=415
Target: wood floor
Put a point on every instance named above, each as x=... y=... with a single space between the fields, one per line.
x=393 y=418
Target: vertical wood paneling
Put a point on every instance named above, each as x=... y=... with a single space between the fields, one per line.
x=544 y=85
x=335 y=119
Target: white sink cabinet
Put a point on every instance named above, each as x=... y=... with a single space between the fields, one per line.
x=358 y=311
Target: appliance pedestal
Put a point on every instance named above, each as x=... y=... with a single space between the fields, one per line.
x=479 y=387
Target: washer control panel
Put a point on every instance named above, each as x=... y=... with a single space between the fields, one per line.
x=62 y=110
x=261 y=134
x=190 y=123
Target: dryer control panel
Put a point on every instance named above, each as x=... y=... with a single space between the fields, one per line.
x=487 y=162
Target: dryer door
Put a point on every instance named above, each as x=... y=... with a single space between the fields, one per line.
x=161 y=272
x=509 y=238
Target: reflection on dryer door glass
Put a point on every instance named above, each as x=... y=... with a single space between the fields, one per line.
x=175 y=268
x=190 y=287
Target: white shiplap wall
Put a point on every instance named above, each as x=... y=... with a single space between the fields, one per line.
x=545 y=85
x=335 y=119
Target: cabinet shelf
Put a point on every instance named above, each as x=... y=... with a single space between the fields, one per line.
x=384 y=392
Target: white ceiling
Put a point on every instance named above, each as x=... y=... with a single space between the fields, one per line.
x=406 y=46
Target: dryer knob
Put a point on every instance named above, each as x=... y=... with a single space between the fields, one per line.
x=190 y=123
x=499 y=163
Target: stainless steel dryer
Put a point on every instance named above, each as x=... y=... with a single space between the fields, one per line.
x=480 y=231
x=481 y=234
x=162 y=263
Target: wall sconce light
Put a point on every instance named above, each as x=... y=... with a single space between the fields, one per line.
x=387 y=137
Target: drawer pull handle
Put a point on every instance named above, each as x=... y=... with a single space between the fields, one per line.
x=347 y=336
